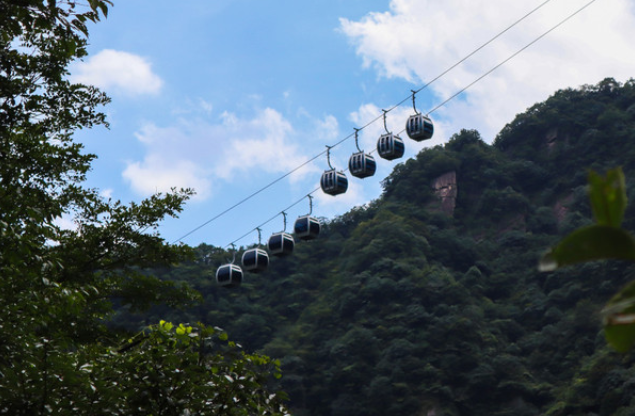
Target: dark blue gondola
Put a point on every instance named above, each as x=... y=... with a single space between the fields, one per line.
x=419 y=127
x=281 y=244
x=362 y=165
x=229 y=275
x=390 y=146
x=334 y=182
x=255 y=260
x=306 y=227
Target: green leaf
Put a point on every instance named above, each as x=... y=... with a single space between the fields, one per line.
x=596 y=242
x=166 y=325
x=608 y=197
x=619 y=319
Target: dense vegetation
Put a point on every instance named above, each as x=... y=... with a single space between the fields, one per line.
x=406 y=307
x=58 y=286
x=414 y=304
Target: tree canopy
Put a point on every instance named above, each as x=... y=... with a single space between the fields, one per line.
x=58 y=286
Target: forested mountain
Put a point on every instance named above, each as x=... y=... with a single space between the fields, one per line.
x=428 y=301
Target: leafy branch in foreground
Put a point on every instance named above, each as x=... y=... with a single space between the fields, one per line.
x=58 y=286
x=177 y=370
x=604 y=240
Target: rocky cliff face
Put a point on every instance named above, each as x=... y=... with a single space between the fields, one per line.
x=445 y=188
x=551 y=137
x=561 y=209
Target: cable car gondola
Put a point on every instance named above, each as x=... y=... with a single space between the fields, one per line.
x=307 y=227
x=255 y=259
x=333 y=182
x=282 y=243
x=419 y=127
x=390 y=146
x=229 y=275
x=361 y=165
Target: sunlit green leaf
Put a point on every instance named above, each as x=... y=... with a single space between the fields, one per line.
x=619 y=319
x=596 y=242
x=608 y=197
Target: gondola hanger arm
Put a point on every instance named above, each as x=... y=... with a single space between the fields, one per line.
x=233 y=252
x=328 y=156
x=413 y=102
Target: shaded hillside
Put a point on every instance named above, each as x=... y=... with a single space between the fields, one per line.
x=428 y=300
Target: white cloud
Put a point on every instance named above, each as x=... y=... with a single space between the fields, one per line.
x=198 y=154
x=156 y=174
x=328 y=129
x=65 y=222
x=106 y=193
x=417 y=40
x=190 y=106
x=117 y=72
x=264 y=143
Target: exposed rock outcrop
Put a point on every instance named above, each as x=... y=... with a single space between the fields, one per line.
x=445 y=188
x=561 y=209
x=551 y=137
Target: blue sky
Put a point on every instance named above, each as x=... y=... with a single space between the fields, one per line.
x=227 y=96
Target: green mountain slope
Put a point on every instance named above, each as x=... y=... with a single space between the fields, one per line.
x=428 y=301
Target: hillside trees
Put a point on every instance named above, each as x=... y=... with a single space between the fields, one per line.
x=398 y=308
x=58 y=286
x=604 y=240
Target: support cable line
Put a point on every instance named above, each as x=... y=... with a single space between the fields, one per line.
x=511 y=57
x=310 y=195
x=272 y=218
x=477 y=50
x=384 y=112
x=441 y=104
x=242 y=201
x=468 y=56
